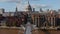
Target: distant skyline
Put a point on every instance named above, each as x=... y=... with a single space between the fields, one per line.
x=10 y=5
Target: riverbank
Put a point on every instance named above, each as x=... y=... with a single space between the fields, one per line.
x=11 y=31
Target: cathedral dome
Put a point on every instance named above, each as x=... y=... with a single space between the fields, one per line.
x=28 y=7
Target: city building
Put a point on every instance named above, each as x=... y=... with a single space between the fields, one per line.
x=49 y=18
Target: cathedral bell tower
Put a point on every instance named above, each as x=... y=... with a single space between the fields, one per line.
x=16 y=11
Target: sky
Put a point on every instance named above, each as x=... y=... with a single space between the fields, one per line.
x=10 y=5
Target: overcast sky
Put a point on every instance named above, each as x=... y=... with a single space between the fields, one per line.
x=10 y=5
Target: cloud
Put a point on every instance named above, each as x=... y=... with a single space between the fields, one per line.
x=23 y=6
x=34 y=0
x=17 y=1
x=40 y=6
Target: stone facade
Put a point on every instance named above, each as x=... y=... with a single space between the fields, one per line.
x=49 y=18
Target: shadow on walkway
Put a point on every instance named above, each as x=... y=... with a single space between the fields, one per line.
x=46 y=31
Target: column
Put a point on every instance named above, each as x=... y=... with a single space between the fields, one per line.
x=54 y=21
x=38 y=21
x=51 y=21
x=33 y=19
